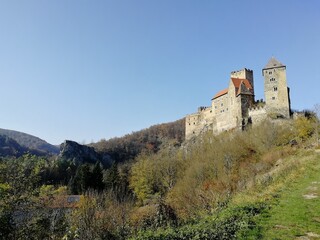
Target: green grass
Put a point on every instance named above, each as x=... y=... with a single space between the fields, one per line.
x=292 y=215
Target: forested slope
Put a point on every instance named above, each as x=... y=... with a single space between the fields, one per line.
x=149 y=140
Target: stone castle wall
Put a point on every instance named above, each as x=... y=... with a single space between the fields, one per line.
x=199 y=122
x=257 y=114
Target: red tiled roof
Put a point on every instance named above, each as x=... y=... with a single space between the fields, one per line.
x=222 y=92
x=237 y=82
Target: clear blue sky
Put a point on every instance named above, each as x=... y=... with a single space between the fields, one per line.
x=86 y=70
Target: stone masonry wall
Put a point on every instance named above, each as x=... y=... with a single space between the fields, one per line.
x=257 y=114
x=199 y=122
x=276 y=92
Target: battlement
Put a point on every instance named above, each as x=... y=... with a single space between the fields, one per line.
x=257 y=108
x=202 y=108
x=257 y=105
x=241 y=71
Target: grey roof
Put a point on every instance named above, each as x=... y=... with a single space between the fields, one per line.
x=273 y=63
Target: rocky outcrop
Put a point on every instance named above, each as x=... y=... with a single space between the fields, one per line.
x=79 y=154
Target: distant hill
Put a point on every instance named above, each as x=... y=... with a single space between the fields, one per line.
x=9 y=147
x=30 y=142
x=150 y=140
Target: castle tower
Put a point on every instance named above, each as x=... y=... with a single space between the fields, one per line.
x=276 y=90
x=244 y=74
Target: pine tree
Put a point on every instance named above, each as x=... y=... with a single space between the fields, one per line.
x=97 y=177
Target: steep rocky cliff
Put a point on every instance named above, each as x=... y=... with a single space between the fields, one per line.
x=73 y=151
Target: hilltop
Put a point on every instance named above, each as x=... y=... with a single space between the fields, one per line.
x=30 y=142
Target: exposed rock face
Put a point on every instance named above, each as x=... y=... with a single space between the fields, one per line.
x=79 y=154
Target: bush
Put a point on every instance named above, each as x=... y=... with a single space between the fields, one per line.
x=231 y=224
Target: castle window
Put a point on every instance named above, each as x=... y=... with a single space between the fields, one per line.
x=194 y=123
x=221 y=104
x=275 y=89
x=272 y=79
x=273 y=98
x=270 y=73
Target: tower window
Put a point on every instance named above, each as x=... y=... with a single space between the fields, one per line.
x=273 y=98
x=272 y=79
x=275 y=89
x=270 y=73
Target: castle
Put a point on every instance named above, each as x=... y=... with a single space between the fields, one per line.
x=235 y=106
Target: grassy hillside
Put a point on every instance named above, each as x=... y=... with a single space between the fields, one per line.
x=294 y=211
x=230 y=186
x=29 y=141
x=284 y=204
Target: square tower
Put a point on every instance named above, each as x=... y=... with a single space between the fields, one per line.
x=276 y=90
x=244 y=74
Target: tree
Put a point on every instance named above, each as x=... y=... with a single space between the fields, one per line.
x=97 y=177
x=112 y=178
x=21 y=212
x=81 y=181
x=142 y=180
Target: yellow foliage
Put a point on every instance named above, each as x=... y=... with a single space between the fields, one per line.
x=304 y=127
x=142 y=178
